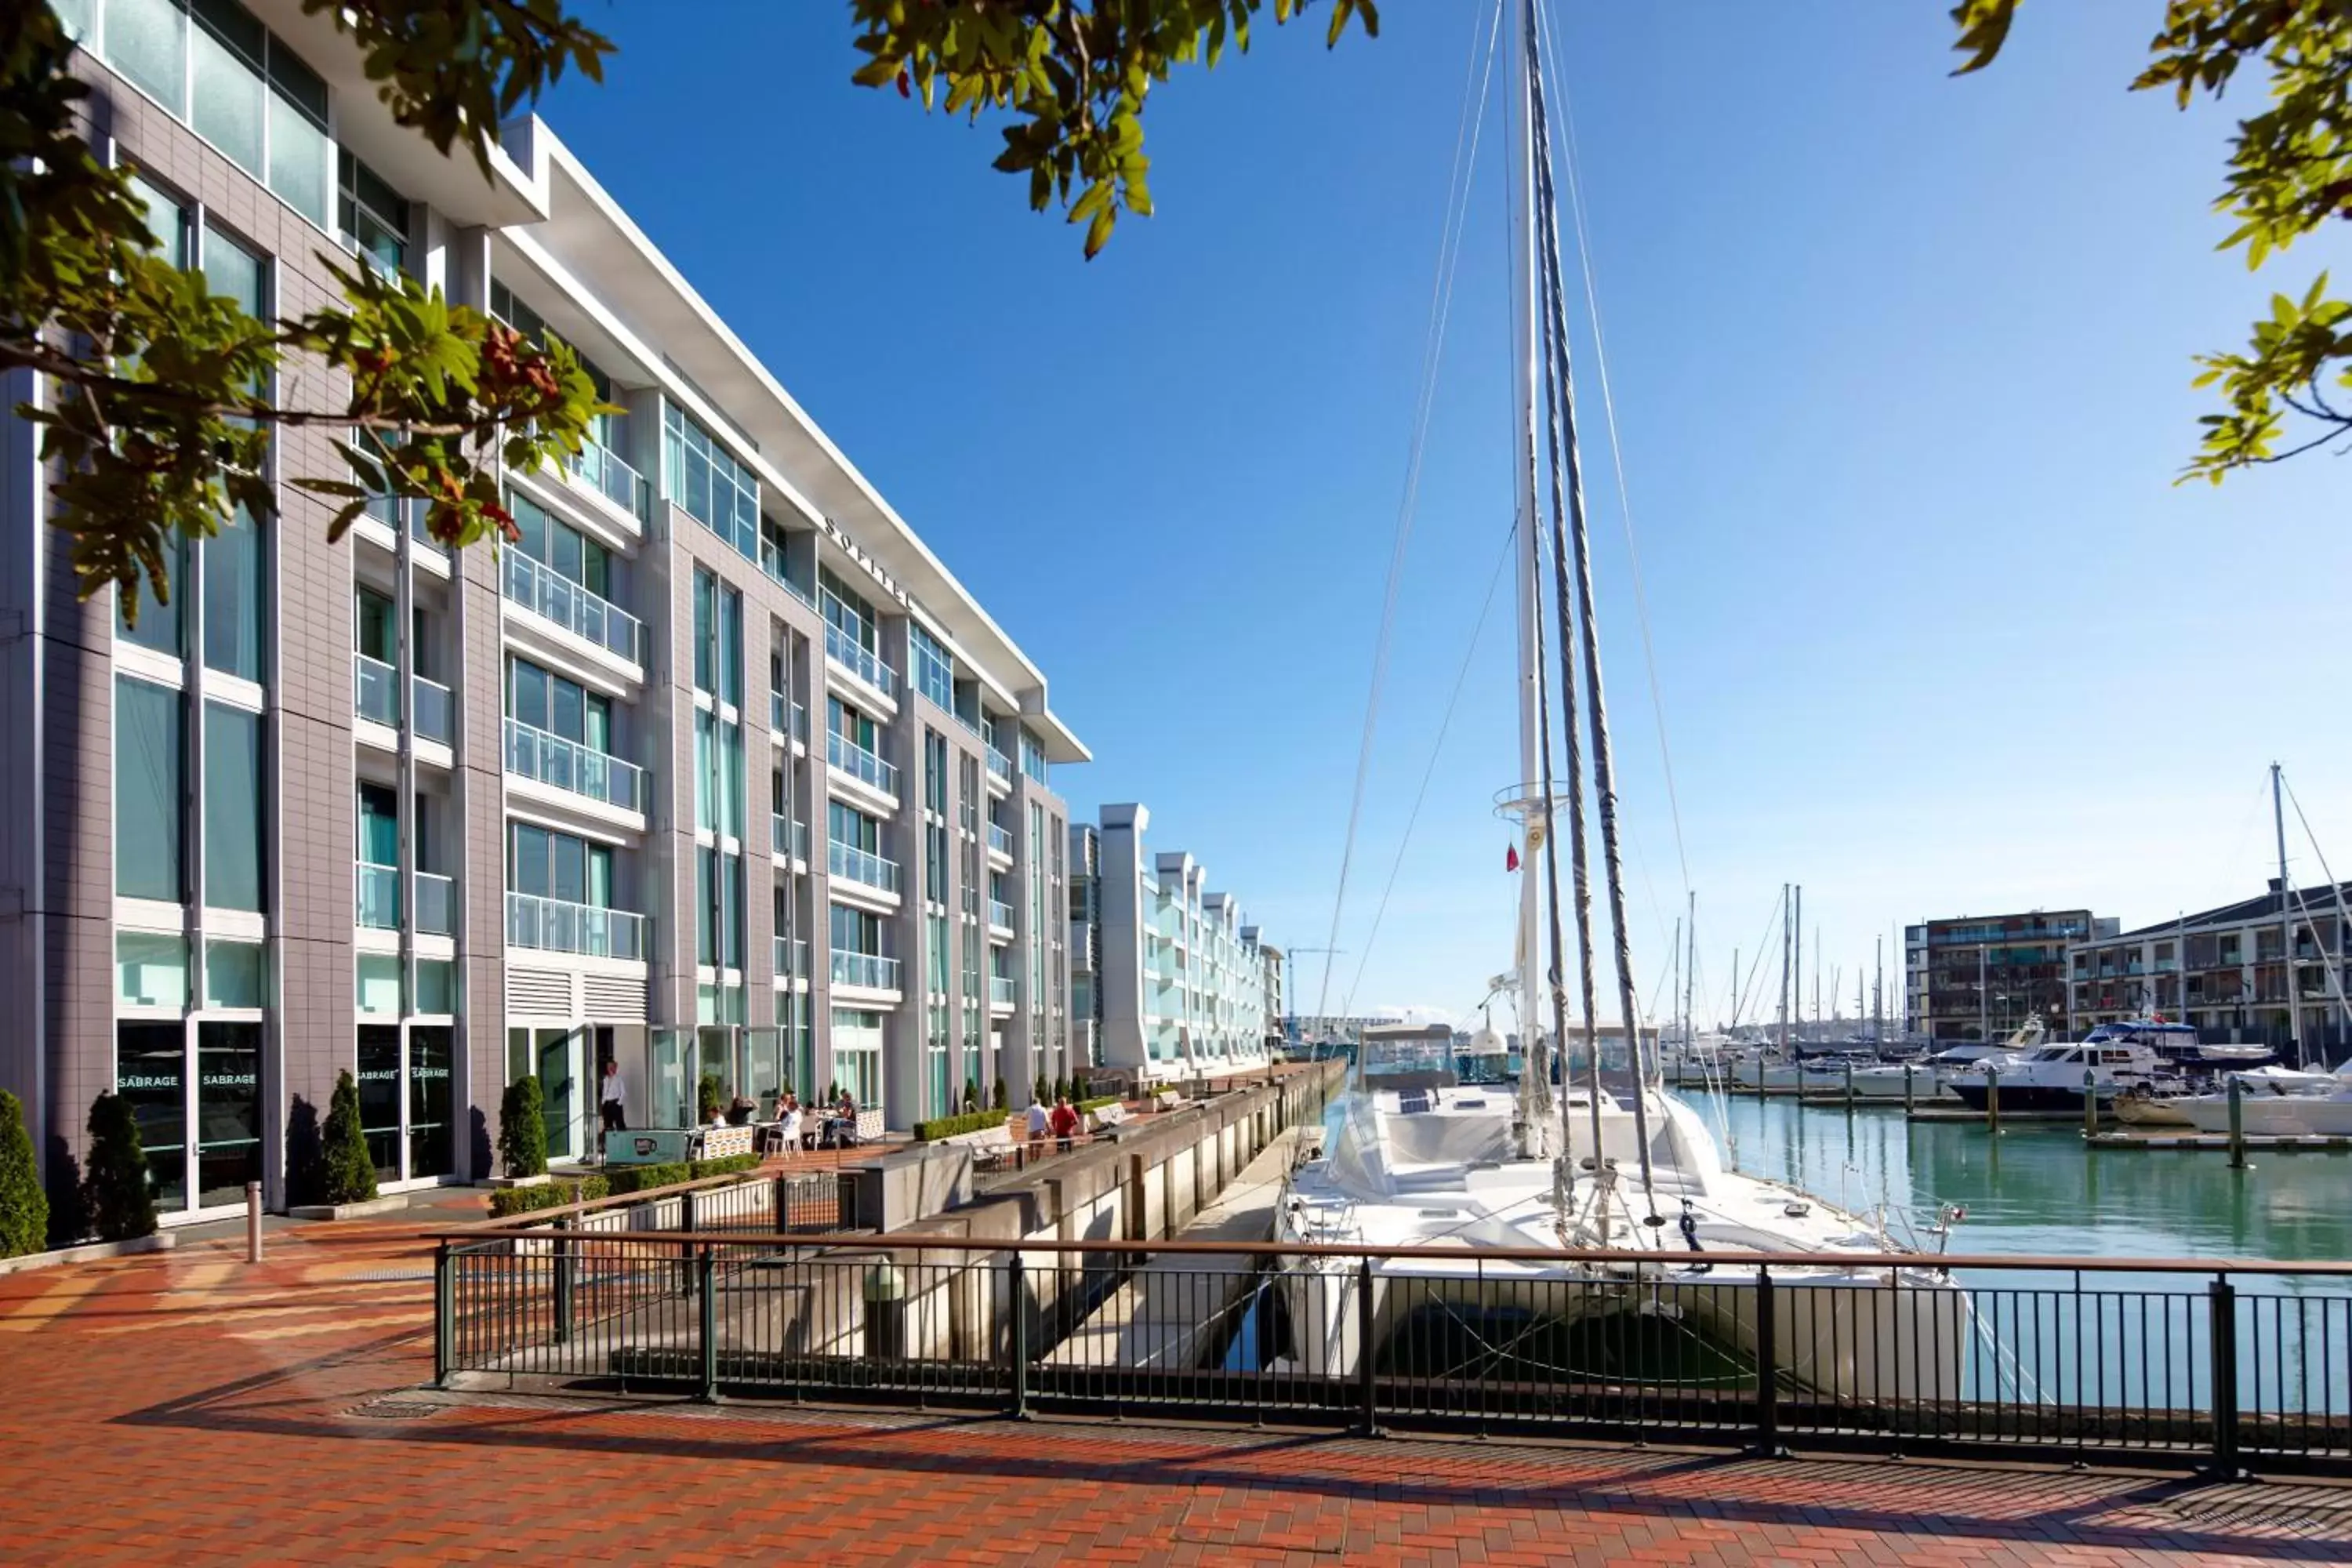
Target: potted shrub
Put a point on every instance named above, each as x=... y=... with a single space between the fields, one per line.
x=522 y=1129
x=351 y=1169
x=708 y=1096
x=23 y=1206
x=115 y=1193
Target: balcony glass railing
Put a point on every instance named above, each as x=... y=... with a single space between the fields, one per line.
x=1000 y=839
x=1000 y=990
x=860 y=764
x=860 y=661
x=437 y=905
x=550 y=925
x=800 y=723
x=868 y=969
x=614 y=479
x=1000 y=766
x=377 y=694
x=572 y=606
x=999 y=913
x=533 y=753
x=434 y=711
x=779 y=713
x=771 y=561
x=785 y=836
x=792 y=959
x=862 y=866
x=379 y=897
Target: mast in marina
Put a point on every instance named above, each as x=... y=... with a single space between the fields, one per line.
x=2286 y=923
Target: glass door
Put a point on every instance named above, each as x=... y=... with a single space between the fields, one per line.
x=151 y=1072
x=430 y=1054
x=228 y=1110
x=379 y=1081
x=558 y=1052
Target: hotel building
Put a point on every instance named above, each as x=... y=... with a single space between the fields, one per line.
x=719 y=771
x=1174 y=985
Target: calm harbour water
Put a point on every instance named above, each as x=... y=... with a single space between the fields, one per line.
x=2036 y=1190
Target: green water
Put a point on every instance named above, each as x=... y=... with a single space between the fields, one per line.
x=2036 y=1190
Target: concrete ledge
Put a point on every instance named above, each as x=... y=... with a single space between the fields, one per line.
x=539 y=1180
x=162 y=1241
x=391 y=1204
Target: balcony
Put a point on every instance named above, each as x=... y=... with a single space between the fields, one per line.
x=869 y=970
x=551 y=925
x=379 y=905
x=860 y=764
x=609 y=477
x=788 y=836
x=999 y=841
x=792 y=959
x=1000 y=990
x=434 y=711
x=771 y=561
x=863 y=867
x=437 y=905
x=847 y=652
x=999 y=768
x=999 y=913
x=535 y=754
x=377 y=696
x=575 y=608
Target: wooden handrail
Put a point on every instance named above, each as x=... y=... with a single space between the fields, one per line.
x=531 y=1217
x=1729 y=1264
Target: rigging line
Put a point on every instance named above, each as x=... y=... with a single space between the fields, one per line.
x=1436 y=750
x=1604 y=768
x=1617 y=457
x=2336 y=888
x=1747 y=986
x=1467 y=137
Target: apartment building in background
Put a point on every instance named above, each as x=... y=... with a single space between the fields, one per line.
x=719 y=771
x=2221 y=969
x=1981 y=976
x=1275 y=1002
x=1175 y=977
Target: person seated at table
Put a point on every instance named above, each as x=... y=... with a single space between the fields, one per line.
x=1065 y=1121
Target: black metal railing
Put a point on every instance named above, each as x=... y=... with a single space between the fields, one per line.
x=2172 y=1362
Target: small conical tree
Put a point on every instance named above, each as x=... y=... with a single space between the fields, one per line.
x=23 y=1206
x=115 y=1191
x=971 y=1095
x=1061 y=1088
x=1003 y=1096
x=350 y=1170
x=707 y=1093
x=1077 y=1086
x=522 y=1129
x=1045 y=1090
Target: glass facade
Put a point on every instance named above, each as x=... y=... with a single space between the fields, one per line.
x=700 y=476
x=934 y=667
x=235 y=808
x=149 y=771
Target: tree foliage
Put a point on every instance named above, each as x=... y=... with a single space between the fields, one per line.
x=2290 y=389
x=1072 y=74
x=522 y=1128
x=163 y=396
x=116 y=1194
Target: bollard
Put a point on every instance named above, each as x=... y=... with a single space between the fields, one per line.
x=253 y=1222
x=2237 y=1125
x=1909 y=1105
x=1992 y=1099
x=2089 y=1103
x=1368 y=1386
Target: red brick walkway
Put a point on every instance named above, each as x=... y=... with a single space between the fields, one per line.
x=183 y=1407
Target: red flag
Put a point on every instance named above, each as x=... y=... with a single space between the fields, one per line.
x=1511 y=858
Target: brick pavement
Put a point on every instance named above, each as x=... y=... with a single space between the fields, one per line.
x=185 y=1407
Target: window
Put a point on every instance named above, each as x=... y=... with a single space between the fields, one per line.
x=235 y=584
x=150 y=749
x=546 y=864
x=847 y=825
x=545 y=700
x=378 y=635
x=731 y=646
x=935 y=773
x=713 y=488
x=1033 y=758
x=372 y=217
x=846 y=609
x=237 y=974
x=225 y=75
x=379 y=826
x=857 y=931
x=706 y=632
x=934 y=667
x=850 y=724
x=161 y=626
x=151 y=969
x=561 y=548
x=233 y=808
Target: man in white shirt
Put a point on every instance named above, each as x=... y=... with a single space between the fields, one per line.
x=611 y=1098
x=1038 y=1121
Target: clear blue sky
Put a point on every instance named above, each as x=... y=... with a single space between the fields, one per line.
x=1901 y=364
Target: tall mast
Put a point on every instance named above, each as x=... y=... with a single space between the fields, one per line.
x=1673 y=989
x=1690 y=965
x=2286 y=923
x=1797 y=967
x=1785 y=928
x=1878 y=993
x=1524 y=360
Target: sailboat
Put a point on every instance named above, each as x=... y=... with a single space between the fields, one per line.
x=1415 y=1158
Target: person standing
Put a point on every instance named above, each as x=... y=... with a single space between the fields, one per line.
x=1065 y=1121
x=612 y=1098
x=1039 y=1121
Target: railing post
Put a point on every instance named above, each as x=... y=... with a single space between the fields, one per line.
x=2089 y=1103
x=1993 y=1100
x=2223 y=1330
x=1368 y=1418
x=2237 y=1124
x=565 y=1265
x=1016 y=1297
x=1909 y=1105
x=445 y=1325
x=707 y=1338
x=783 y=1204
x=1768 y=1368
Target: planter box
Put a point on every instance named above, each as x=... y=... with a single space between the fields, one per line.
x=162 y=1241
x=392 y=1204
